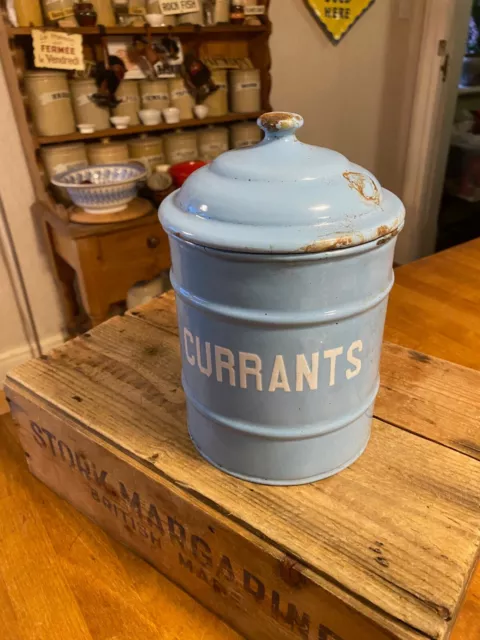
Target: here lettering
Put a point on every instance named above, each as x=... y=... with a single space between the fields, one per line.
x=342 y=13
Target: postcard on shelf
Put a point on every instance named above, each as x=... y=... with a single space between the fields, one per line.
x=161 y=57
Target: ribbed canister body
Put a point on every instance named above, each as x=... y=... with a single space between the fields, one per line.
x=281 y=355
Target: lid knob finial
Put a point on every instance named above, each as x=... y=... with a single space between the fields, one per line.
x=280 y=123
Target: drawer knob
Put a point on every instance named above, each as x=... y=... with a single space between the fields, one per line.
x=153 y=242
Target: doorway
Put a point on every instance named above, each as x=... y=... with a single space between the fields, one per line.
x=445 y=32
x=459 y=213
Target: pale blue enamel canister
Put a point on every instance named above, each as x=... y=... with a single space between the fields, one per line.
x=282 y=264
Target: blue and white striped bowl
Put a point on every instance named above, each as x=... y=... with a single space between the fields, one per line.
x=109 y=189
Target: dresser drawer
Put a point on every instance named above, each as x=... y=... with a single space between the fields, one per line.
x=143 y=244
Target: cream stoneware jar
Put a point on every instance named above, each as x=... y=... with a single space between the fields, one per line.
x=86 y=111
x=245 y=134
x=245 y=87
x=50 y=102
x=282 y=264
x=217 y=102
x=154 y=94
x=129 y=97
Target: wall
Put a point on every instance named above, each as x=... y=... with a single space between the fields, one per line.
x=17 y=195
x=356 y=96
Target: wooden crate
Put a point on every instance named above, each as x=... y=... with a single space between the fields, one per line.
x=383 y=550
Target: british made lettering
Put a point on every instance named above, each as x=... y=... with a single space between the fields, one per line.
x=237 y=368
x=147 y=521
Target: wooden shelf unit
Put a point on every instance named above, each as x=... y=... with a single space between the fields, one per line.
x=210 y=41
x=142 y=128
x=110 y=258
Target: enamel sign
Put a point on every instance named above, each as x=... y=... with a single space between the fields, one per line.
x=57 y=50
x=338 y=16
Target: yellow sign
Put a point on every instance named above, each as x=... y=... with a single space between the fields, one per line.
x=57 y=50
x=338 y=16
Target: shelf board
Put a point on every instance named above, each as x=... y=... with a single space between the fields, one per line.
x=141 y=128
x=232 y=29
x=465 y=91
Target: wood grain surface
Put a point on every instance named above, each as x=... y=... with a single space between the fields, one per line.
x=434 y=307
x=55 y=560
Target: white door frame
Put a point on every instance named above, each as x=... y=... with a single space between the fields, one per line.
x=432 y=116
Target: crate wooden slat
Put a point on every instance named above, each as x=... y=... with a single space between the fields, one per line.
x=383 y=550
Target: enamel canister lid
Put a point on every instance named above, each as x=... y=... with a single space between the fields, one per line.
x=281 y=196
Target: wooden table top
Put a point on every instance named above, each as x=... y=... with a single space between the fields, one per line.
x=62 y=576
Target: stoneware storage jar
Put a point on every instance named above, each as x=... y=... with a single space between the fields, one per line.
x=106 y=152
x=148 y=150
x=154 y=94
x=86 y=111
x=211 y=142
x=58 y=158
x=217 y=102
x=181 y=146
x=282 y=264
x=181 y=98
x=245 y=90
x=245 y=134
x=222 y=11
x=129 y=97
x=50 y=102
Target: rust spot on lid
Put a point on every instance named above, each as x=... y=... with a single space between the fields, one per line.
x=385 y=235
x=328 y=245
x=278 y=120
x=364 y=185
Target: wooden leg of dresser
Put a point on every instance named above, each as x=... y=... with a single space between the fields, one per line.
x=65 y=276
x=95 y=296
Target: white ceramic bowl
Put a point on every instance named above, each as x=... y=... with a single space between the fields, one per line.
x=155 y=19
x=86 y=128
x=200 y=111
x=171 y=115
x=150 y=116
x=120 y=122
x=105 y=188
